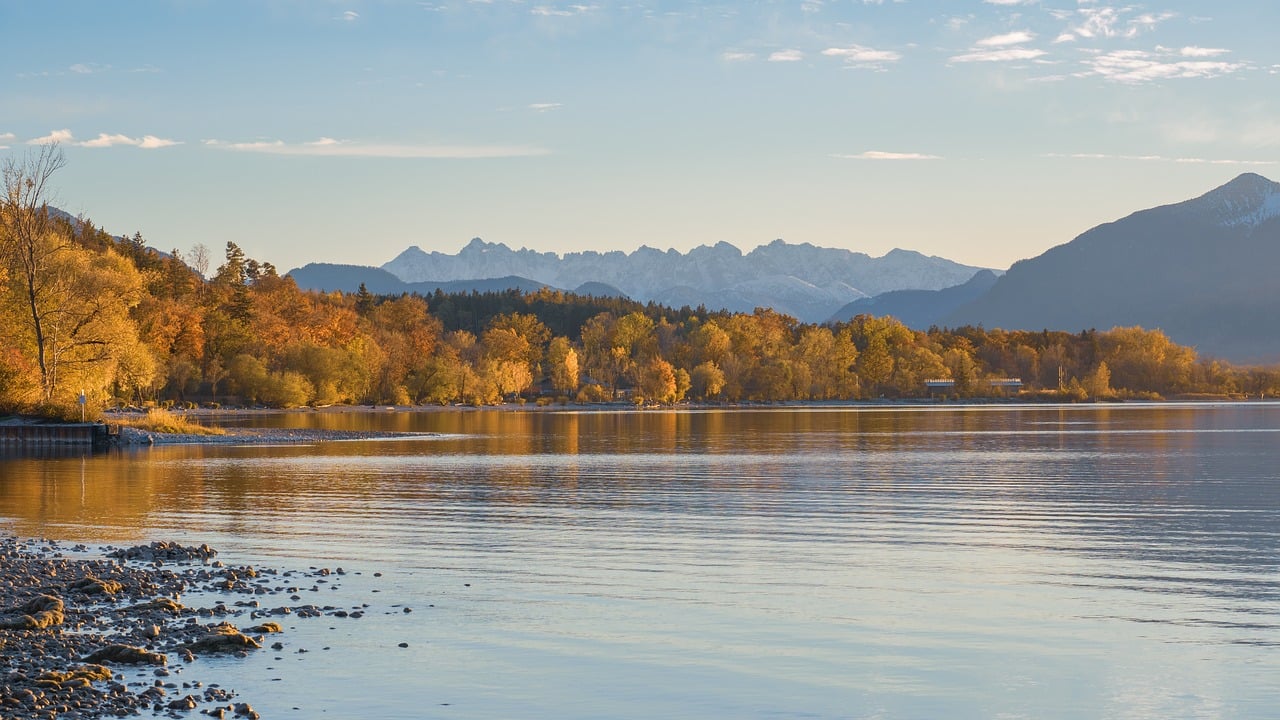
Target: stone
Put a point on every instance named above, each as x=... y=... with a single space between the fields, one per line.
x=126 y=655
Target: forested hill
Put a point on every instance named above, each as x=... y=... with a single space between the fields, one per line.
x=83 y=310
x=1204 y=271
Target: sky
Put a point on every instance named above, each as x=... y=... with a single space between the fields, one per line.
x=984 y=131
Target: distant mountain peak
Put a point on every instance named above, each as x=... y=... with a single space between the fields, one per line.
x=801 y=280
x=1248 y=200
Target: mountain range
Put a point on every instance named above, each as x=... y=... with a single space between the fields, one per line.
x=1206 y=271
x=804 y=281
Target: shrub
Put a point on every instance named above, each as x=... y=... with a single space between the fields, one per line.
x=163 y=421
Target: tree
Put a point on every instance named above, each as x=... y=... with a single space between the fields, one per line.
x=563 y=362
x=656 y=381
x=1098 y=382
x=706 y=380
x=27 y=238
x=73 y=302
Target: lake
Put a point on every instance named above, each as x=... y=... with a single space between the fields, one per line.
x=1115 y=561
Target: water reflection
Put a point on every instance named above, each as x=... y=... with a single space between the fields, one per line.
x=820 y=554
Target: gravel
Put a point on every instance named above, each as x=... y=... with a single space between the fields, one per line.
x=85 y=636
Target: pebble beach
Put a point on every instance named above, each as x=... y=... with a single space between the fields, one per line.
x=107 y=632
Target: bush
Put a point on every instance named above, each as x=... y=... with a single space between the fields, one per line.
x=163 y=421
x=593 y=393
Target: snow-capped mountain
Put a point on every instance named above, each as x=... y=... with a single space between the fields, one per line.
x=803 y=280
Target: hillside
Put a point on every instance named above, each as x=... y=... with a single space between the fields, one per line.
x=1206 y=271
x=919 y=309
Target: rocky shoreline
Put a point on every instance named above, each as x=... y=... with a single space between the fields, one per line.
x=86 y=635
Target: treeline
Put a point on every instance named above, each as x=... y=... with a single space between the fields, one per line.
x=81 y=310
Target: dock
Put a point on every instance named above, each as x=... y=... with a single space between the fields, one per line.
x=34 y=435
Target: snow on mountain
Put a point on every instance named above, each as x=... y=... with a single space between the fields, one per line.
x=1249 y=200
x=802 y=280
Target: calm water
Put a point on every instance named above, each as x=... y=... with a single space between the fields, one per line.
x=1046 y=562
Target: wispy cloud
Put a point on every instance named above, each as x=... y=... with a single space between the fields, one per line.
x=330 y=147
x=65 y=137
x=4 y=140
x=545 y=107
x=882 y=155
x=1140 y=66
x=1110 y=22
x=566 y=11
x=1013 y=38
x=1158 y=158
x=1001 y=55
x=861 y=56
x=1009 y=2
x=736 y=56
x=349 y=16
x=786 y=56
x=1202 y=52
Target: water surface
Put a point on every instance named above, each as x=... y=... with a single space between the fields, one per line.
x=1039 y=562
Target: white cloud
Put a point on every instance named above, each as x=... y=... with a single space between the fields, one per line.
x=105 y=140
x=860 y=55
x=881 y=155
x=1005 y=55
x=1108 y=22
x=6 y=137
x=1098 y=22
x=1064 y=37
x=1201 y=52
x=735 y=56
x=1013 y=38
x=1008 y=2
x=349 y=16
x=786 y=56
x=329 y=147
x=146 y=142
x=1139 y=66
x=545 y=107
x=57 y=136
x=151 y=142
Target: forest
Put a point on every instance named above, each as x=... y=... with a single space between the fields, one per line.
x=82 y=311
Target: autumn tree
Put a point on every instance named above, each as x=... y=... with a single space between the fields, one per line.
x=562 y=361
x=73 y=302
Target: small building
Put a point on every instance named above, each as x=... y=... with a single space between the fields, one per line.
x=940 y=386
x=1002 y=386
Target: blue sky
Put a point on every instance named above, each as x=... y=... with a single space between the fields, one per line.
x=984 y=132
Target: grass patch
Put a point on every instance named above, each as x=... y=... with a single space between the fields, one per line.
x=163 y=421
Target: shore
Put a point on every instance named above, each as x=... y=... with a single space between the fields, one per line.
x=235 y=435
x=93 y=634
x=256 y=436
